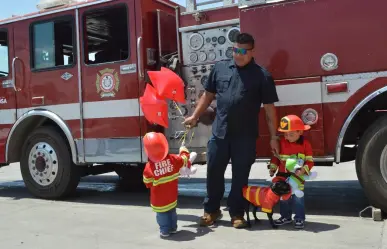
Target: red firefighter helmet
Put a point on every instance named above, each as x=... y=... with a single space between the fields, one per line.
x=292 y=123
x=156 y=146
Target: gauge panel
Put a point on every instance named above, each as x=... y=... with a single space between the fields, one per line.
x=208 y=45
x=194 y=77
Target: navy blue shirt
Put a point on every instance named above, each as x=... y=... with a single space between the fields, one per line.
x=239 y=93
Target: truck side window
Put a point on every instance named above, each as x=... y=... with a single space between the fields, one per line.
x=4 y=67
x=52 y=44
x=106 y=35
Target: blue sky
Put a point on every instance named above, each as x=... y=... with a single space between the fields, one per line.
x=20 y=7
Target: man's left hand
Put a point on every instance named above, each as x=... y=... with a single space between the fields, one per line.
x=274 y=144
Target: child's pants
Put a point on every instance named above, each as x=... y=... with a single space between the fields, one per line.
x=167 y=221
x=293 y=203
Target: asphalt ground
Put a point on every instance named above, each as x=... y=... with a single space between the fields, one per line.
x=103 y=214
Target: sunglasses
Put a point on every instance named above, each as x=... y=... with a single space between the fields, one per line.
x=241 y=51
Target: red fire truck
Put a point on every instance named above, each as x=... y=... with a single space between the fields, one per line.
x=72 y=74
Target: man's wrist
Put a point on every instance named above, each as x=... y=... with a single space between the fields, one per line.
x=274 y=137
x=195 y=116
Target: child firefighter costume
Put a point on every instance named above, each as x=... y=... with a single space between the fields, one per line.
x=300 y=150
x=162 y=171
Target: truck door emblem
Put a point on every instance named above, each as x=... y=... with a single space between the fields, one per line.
x=66 y=76
x=329 y=62
x=107 y=83
x=3 y=101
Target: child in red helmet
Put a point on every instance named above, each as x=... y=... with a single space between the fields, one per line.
x=292 y=145
x=161 y=176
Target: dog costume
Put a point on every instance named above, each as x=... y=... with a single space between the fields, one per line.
x=263 y=197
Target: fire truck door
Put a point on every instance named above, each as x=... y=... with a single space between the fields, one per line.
x=166 y=34
x=8 y=87
x=111 y=113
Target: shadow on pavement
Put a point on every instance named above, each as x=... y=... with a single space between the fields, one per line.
x=263 y=224
x=342 y=198
x=185 y=235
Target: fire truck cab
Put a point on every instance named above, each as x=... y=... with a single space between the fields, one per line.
x=72 y=74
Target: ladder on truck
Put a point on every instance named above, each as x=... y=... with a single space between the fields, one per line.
x=192 y=5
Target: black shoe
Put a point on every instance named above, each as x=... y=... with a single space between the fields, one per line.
x=282 y=221
x=299 y=224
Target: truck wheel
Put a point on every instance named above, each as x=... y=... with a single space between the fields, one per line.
x=371 y=163
x=46 y=165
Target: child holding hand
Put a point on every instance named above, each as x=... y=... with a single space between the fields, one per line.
x=292 y=145
x=161 y=175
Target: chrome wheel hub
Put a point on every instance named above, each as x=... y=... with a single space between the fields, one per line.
x=43 y=163
x=383 y=164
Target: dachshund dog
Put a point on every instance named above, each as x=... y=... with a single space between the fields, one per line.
x=265 y=198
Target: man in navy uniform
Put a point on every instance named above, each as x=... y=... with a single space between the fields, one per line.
x=240 y=86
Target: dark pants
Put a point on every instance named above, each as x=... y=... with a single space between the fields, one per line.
x=241 y=151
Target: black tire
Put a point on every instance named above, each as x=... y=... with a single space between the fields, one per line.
x=66 y=175
x=371 y=154
x=131 y=178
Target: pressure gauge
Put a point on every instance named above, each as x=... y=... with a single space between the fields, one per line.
x=214 y=39
x=202 y=56
x=208 y=39
x=221 y=40
x=232 y=34
x=229 y=53
x=212 y=56
x=196 y=41
x=193 y=57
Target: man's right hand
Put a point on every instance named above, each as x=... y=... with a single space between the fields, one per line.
x=190 y=122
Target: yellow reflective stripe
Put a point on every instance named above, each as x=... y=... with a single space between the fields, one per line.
x=257 y=196
x=185 y=160
x=302 y=156
x=309 y=158
x=266 y=210
x=166 y=179
x=273 y=166
x=284 y=157
x=165 y=208
x=248 y=193
x=306 y=169
x=183 y=149
x=147 y=180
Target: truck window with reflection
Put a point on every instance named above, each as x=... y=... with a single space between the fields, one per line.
x=4 y=66
x=53 y=44
x=107 y=33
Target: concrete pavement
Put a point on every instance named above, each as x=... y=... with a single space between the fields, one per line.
x=103 y=216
